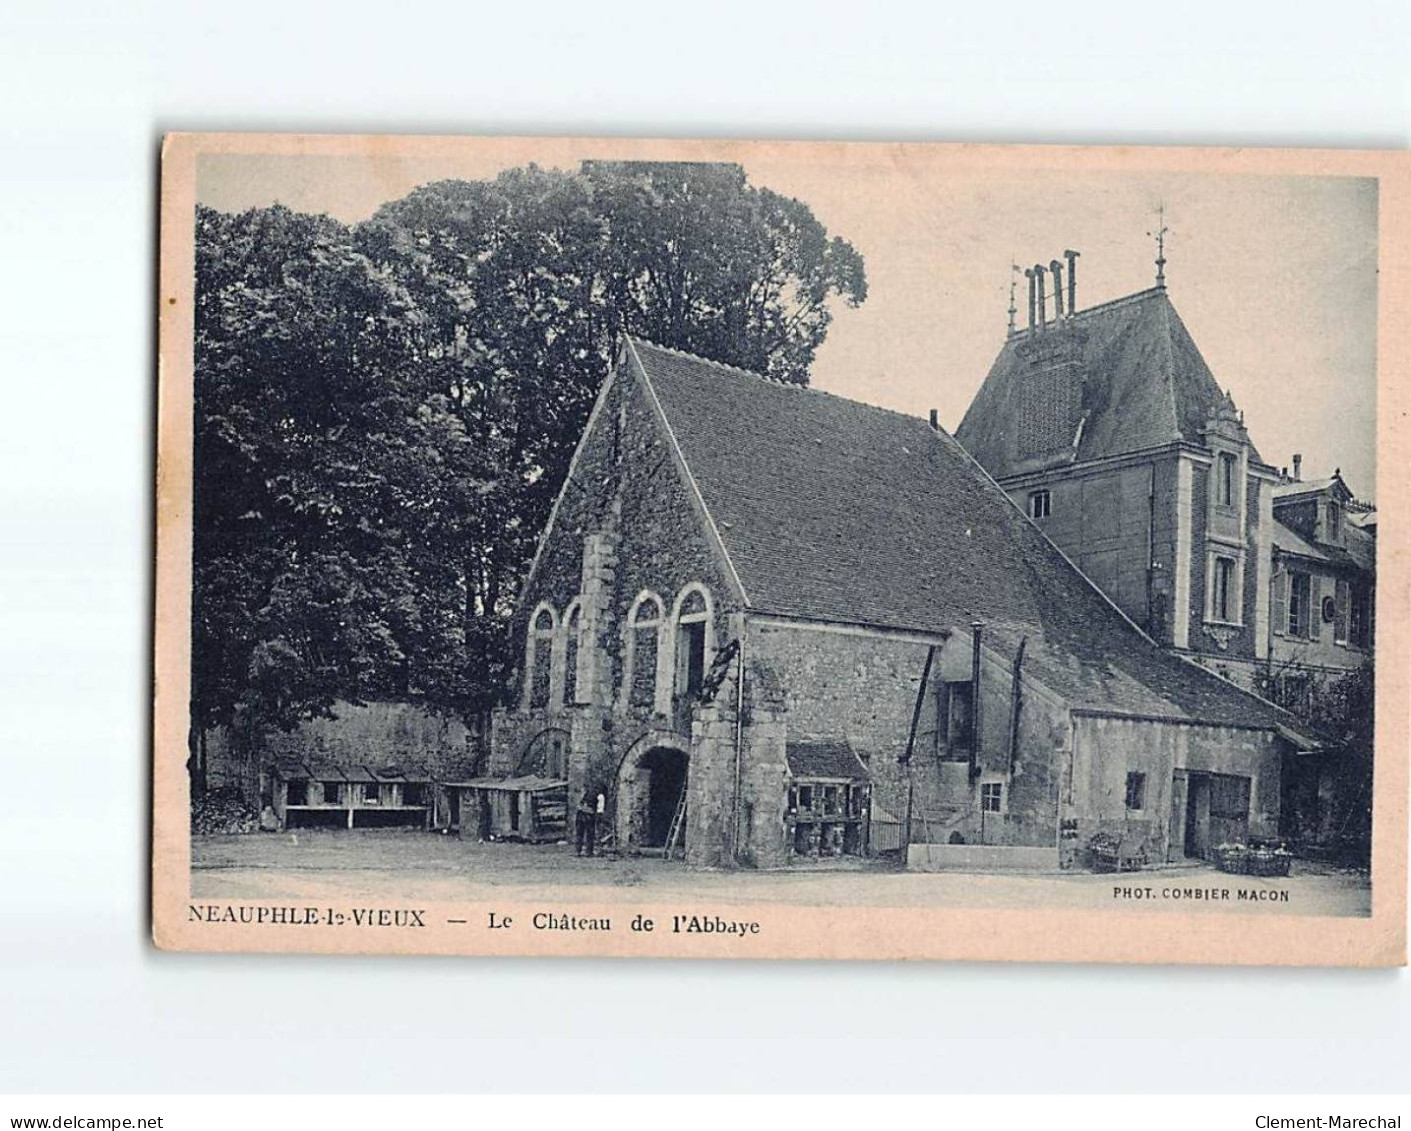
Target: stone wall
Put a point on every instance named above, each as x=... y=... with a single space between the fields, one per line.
x=372 y=734
x=630 y=504
x=1102 y=517
x=860 y=686
x=1106 y=750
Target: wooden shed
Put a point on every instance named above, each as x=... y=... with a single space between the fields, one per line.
x=331 y=795
x=527 y=807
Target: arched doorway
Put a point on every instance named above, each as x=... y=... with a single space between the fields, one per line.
x=651 y=785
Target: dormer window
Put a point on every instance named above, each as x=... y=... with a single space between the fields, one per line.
x=1040 y=503
x=1227 y=477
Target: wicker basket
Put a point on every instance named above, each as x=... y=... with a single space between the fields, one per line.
x=1242 y=861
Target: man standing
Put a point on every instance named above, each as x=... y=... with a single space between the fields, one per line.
x=586 y=823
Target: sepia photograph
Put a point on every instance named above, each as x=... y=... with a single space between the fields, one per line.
x=741 y=566
x=659 y=532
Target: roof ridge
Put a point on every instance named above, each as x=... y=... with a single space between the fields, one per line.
x=780 y=382
x=1100 y=308
x=1169 y=359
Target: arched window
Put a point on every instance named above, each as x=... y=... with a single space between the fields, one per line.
x=571 y=628
x=539 y=657
x=644 y=624
x=693 y=639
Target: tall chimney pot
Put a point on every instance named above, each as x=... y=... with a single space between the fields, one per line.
x=1042 y=298
x=1057 y=269
x=1297 y=467
x=1072 y=257
x=1029 y=274
x=935 y=421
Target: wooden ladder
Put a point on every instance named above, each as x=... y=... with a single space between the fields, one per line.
x=678 y=827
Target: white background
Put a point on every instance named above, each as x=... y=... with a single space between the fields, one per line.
x=85 y=92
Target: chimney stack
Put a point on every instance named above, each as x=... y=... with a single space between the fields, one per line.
x=1072 y=257
x=1042 y=298
x=1029 y=274
x=1297 y=467
x=935 y=421
x=1057 y=269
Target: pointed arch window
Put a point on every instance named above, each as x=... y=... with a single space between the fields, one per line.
x=644 y=624
x=539 y=657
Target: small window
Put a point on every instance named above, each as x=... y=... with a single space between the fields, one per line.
x=806 y=798
x=1228 y=476
x=1334 y=522
x=297 y=793
x=1040 y=504
x=1222 y=596
x=1299 y=598
x=992 y=797
x=372 y=793
x=1136 y=792
x=331 y=790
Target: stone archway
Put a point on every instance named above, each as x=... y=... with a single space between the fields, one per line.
x=651 y=780
x=546 y=755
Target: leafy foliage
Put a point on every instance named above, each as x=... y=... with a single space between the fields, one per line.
x=385 y=412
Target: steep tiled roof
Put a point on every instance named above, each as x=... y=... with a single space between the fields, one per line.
x=810 y=759
x=1291 y=541
x=1144 y=384
x=838 y=511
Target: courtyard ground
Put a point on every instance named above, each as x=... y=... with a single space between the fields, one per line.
x=388 y=865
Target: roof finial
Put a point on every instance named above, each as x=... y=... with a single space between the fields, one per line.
x=1160 y=237
x=1013 y=284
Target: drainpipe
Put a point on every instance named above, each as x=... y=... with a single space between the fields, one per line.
x=1016 y=703
x=1151 y=550
x=739 y=735
x=976 y=629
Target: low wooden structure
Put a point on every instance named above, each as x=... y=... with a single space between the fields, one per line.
x=829 y=800
x=325 y=795
x=527 y=807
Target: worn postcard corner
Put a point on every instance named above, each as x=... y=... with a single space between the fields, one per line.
x=575 y=546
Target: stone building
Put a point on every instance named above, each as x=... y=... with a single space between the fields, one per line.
x=1324 y=584
x=766 y=623
x=1107 y=425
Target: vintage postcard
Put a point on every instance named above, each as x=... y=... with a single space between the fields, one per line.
x=781 y=550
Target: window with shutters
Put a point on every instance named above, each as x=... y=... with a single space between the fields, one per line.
x=1300 y=610
x=1340 y=611
x=1359 y=616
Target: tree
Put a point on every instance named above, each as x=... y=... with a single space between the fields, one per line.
x=385 y=413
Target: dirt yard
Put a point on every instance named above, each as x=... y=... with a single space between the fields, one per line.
x=389 y=865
